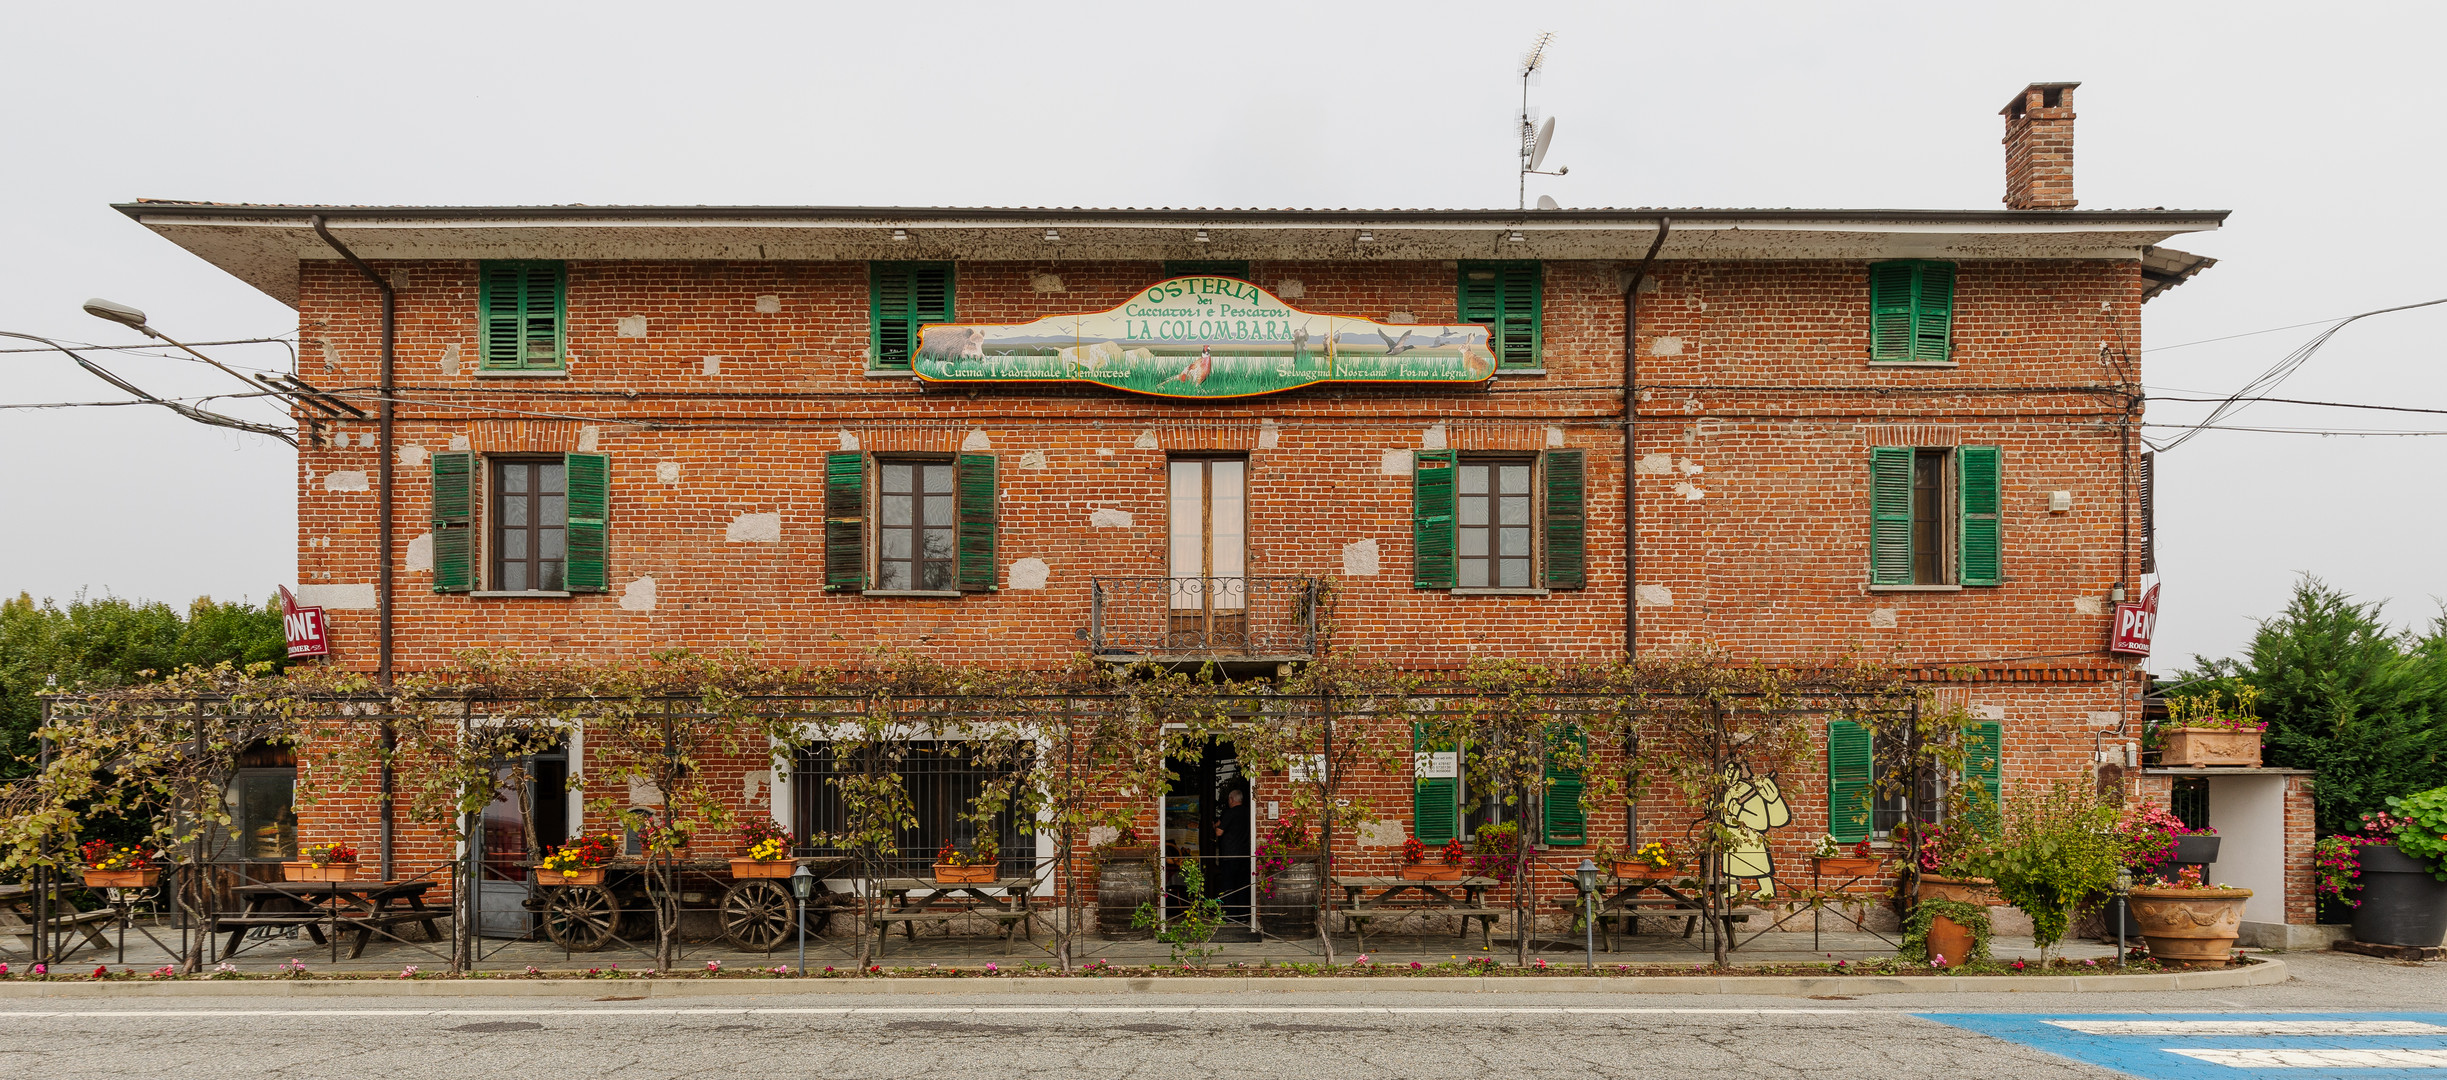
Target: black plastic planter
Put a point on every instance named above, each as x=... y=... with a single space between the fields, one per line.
x=2197 y=848
x=2401 y=903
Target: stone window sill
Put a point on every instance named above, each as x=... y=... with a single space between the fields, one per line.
x=890 y=373
x=530 y=594
x=1500 y=372
x=1499 y=592
x=531 y=373
x=918 y=593
x=1875 y=365
x=1915 y=588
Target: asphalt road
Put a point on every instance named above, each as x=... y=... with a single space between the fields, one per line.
x=1409 y=1036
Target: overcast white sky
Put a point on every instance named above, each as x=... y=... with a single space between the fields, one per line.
x=2317 y=124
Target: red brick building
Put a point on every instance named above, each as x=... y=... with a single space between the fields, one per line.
x=1904 y=434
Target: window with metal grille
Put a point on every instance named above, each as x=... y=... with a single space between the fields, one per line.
x=530 y=539
x=1491 y=528
x=2190 y=802
x=942 y=781
x=918 y=526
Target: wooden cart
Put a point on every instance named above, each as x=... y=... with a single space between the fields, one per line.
x=755 y=913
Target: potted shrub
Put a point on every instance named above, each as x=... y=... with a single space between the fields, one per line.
x=1833 y=860
x=769 y=852
x=1934 y=855
x=980 y=865
x=1415 y=866
x=2188 y=922
x=1491 y=851
x=2151 y=838
x=108 y=867
x=2200 y=730
x=1950 y=933
x=1125 y=880
x=579 y=862
x=2404 y=883
x=2057 y=851
x=323 y=862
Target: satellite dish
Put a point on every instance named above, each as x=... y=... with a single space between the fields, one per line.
x=1547 y=202
x=1537 y=150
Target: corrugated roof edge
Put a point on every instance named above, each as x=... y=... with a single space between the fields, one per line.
x=887 y=214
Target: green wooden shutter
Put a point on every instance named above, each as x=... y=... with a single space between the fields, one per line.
x=454 y=526
x=1435 y=802
x=590 y=501
x=522 y=306
x=977 y=523
x=1431 y=519
x=1976 y=474
x=1567 y=822
x=1505 y=297
x=1566 y=519
x=1933 y=311
x=902 y=298
x=1984 y=766
x=845 y=522
x=1890 y=310
x=1890 y=515
x=1849 y=781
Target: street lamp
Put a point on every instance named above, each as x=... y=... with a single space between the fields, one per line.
x=1586 y=877
x=133 y=318
x=802 y=883
x=2124 y=888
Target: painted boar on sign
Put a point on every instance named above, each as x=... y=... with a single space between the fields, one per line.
x=1204 y=337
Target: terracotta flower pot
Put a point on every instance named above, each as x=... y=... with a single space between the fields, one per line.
x=122 y=879
x=1421 y=871
x=763 y=868
x=1643 y=872
x=983 y=873
x=2193 y=927
x=306 y=871
x=592 y=875
x=1973 y=890
x=2210 y=746
x=1847 y=866
x=1950 y=940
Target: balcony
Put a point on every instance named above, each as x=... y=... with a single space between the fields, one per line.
x=1239 y=619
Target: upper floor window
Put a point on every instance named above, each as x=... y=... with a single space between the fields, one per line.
x=1911 y=311
x=916 y=527
x=523 y=307
x=1933 y=516
x=1498 y=521
x=901 y=298
x=530 y=524
x=918 y=524
x=1491 y=523
x=1505 y=298
x=527 y=524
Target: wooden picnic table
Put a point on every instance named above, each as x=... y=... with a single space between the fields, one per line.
x=17 y=904
x=1625 y=904
x=910 y=901
x=366 y=907
x=1399 y=896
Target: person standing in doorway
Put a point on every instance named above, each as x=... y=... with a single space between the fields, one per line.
x=1230 y=869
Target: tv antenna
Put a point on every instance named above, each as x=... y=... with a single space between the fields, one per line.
x=1535 y=137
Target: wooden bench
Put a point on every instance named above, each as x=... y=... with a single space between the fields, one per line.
x=87 y=923
x=1009 y=921
x=1615 y=915
x=1357 y=920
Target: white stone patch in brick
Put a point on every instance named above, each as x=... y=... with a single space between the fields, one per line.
x=2105 y=719
x=754 y=529
x=1400 y=317
x=450 y=359
x=1554 y=436
x=1690 y=467
x=976 y=443
x=365 y=441
x=1690 y=491
x=346 y=480
x=411 y=455
x=1653 y=596
x=1268 y=434
x=1109 y=519
x=1665 y=346
x=2089 y=605
x=458 y=442
x=1654 y=465
x=1433 y=438
x=633 y=326
x=755 y=785
x=1359 y=558
x=667 y=472
x=1382 y=834
x=1291 y=288
x=1046 y=283
x=1882 y=619
x=1028 y=574
x=1104 y=451
x=1988 y=712
x=1034 y=459
x=589 y=437
x=336 y=597
x=331 y=356
x=1145 y=441
x=420 y=553
x=1100 y=835
x=713 y=365
x=768 y=304
x=1396 y=463
x=639 y=595
x=848 y=441
x=643 y=792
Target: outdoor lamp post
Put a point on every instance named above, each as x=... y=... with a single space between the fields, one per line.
x=802 y=883
x=133 y=318
x=1586 y=877
x=2124 y=888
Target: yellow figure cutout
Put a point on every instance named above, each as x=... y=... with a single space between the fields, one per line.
x=1752 y=806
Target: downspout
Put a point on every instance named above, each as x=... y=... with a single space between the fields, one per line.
x=1631 y=505
x=382 y=527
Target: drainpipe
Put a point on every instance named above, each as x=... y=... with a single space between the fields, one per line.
x=382 y=528
x=1631 y=505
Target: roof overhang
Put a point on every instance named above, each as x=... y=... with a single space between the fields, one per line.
x=2164 y=268
x=262 y=245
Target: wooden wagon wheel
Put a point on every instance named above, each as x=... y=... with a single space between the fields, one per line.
x=581 y=918
x=756 y=914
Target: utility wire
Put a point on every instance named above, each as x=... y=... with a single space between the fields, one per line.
x=2279 y=372
x=200 y=416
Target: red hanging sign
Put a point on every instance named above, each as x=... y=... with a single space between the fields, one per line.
x=2134 y=625
x=309 y=633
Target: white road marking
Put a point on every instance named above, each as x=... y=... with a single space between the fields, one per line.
x=938 y=1010
x=2321 y=1059
x=2250 y=1027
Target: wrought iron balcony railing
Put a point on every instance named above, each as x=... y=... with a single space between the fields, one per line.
x=1221 y=618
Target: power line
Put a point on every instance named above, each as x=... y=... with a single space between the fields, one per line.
x=2283 y=369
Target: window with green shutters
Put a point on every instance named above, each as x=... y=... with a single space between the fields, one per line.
x=903 y=297
x=1505 y=298
x=1207 y=268
x=930 y=526
x=454 y=522
x=1435 y=801
x=590 y=497
x=1850 y=781
x=1911 y=311
x=845 y=522
x=1473 y=524
x=522 y=306
x=1935 y=516
x=976 y=522
x=549 y=519
x=1566 y=821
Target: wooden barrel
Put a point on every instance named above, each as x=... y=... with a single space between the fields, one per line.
x=1291 y=910
x=1123 y=882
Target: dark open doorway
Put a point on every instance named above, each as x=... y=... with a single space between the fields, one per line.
x=1210 y=816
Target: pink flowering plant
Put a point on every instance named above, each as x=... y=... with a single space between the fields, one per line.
x=2336 y=861
x=2148 y=833
x=2210 y=711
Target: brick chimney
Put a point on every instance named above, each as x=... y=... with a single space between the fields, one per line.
x=2039 y=147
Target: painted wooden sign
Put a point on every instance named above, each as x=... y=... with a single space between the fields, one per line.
x=1204 y=337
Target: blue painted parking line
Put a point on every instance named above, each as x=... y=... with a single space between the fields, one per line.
x=2230 y=1046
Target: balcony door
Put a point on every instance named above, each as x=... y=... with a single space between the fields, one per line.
x=1209 y=568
